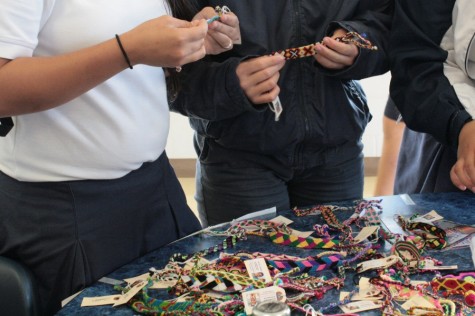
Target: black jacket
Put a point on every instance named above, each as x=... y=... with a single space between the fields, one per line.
x=422 y=92
x=325 y=112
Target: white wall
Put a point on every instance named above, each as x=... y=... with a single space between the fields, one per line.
x=180 y=139
x=377 y=91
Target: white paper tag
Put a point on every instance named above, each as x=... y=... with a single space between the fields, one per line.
x=282 y=220
x=417 y=301
x=257 y=269
x=429 y=265
x=428 y=218
x=367 y=289
x=377 y=263
x=301 y=234
x=276 y=107
x=142 y=277
x=365 y=233
x=254 y=297
x=358 y=297
x=100 y=300
x=360 y=306
x=134 y=289
x=157 y=284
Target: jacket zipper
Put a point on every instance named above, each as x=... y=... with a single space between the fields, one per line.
x=300 y=148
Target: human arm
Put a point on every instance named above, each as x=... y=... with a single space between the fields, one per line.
x=422 y=92
x=462 y=173
x=244 y=85
x=393 y=131
x=32 y=84
x=372 y=20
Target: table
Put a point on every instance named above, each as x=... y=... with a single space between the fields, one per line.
x=458 y=207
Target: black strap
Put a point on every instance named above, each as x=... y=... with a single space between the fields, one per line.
x=6 y=124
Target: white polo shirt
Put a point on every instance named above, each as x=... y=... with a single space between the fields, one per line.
x=103 y=134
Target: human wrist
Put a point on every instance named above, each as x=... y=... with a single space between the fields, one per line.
x=123 y=51
x=457 y=122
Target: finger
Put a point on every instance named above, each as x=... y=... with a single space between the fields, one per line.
x=195 y=31
x=265 y=96
x=228 y=24
x=456 y=181
x=264 y=62
x=332 y=56
x=206 y=13
x=461 y=176
x=229 y=19
x=260 y=81
x=221 y=39
x=327 y=63
x=349 y=50
x=470 y=172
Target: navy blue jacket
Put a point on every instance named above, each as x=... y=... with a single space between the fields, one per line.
x=325 y=112
x=423 y=94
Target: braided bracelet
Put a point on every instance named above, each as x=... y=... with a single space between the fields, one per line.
x=307 y=266
x=459 y=284
x=301 y=242
x=437 y=238
x=201 y=305
x=310 y=50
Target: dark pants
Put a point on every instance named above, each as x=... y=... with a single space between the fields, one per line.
x=424 y=165
x=224 y=193
x=72 y=233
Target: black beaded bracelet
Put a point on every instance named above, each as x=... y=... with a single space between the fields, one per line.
x=123 y=51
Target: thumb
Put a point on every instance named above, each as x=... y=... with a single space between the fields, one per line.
x=199 y=23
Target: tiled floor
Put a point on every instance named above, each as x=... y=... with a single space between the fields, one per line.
x=189 y=188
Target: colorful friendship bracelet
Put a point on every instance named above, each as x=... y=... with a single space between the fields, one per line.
x=301 y=242
x=310 y=49
x=435 y=237
x=307 y=266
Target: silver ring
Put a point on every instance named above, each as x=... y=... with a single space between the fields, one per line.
x=178 y=69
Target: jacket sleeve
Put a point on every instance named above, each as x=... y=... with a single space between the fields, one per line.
x=211 y=90
x=372 y=20
x=427 y=101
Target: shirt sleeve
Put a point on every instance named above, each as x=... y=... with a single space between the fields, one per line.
x=425 y=97
x=20 y=23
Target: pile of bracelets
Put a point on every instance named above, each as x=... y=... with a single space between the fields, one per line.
x=214 y=287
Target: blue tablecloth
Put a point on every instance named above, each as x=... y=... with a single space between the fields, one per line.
x=458 y=207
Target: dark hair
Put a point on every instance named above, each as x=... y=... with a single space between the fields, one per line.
x=185 y=10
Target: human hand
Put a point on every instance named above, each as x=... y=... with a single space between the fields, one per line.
x=166 y=42
x=223 y=33
x=463 y=172
x=258 y=78
x=333 y=54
